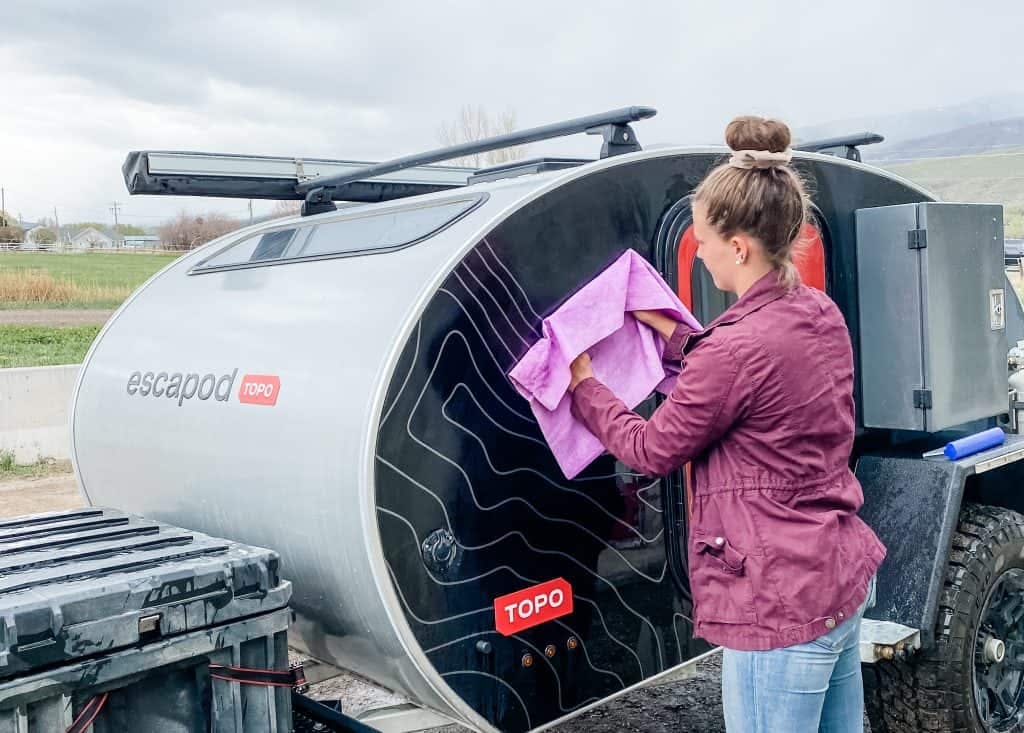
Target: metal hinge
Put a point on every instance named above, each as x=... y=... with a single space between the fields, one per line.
x=917 y=238
x=923 y=399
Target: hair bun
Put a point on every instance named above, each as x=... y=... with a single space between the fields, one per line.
x=750 y=132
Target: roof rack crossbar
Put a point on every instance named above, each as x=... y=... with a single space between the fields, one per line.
x=845 y=145
x=613 y=125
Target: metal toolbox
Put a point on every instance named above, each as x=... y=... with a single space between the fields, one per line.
x=932 y=292
x=99 y=605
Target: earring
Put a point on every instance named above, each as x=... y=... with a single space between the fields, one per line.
x=739 y=259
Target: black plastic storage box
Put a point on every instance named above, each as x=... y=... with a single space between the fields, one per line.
x=117 y=618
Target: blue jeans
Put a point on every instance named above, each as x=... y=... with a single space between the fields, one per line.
x=805 y=688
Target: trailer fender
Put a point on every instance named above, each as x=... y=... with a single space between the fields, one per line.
x=913 y=505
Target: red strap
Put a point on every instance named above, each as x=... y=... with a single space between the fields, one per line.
x=88 y=714
x=294 y=676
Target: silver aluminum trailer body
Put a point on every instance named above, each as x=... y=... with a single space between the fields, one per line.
x=333 y=387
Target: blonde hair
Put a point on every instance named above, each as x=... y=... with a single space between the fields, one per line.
x=767 y=201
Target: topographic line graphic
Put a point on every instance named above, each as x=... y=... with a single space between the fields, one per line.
x=642 y=489
x=466 y=268
x=526 y=579
x=436 y=621
x=488 y=318
x=412 y=367
x=526 y=298
x=538 y=441
x=524 y=469
x=512 y=499
x=614 y=589
x=457 y=435
x=486 y=414
x=476 y=328
x=479 y=373
x=526 y=710
x=503 y=370
x=527 y=321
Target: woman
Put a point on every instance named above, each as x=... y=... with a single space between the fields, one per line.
x=780 y=564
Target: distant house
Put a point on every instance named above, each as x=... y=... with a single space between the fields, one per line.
x=91 y=238
x=142 y=241
x=29 y=240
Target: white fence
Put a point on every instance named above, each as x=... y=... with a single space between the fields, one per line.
x=34 y=404
x=67 y=249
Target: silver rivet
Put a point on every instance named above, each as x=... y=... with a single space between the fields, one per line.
x=719 y=541
x=830 y=623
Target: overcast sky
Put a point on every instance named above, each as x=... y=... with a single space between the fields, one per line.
x=85 y=82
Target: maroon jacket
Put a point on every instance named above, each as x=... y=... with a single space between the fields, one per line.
x=764 y=410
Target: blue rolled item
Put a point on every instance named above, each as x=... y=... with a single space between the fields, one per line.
x=974 y=443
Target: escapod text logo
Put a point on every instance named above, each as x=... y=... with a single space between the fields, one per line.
x=180 y=387
x=259 y=389
x=532 y=606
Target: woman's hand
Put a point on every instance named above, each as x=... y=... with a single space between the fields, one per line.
x=658 y=321
x=580 y=369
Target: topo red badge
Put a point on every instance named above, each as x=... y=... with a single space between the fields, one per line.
x=532 y=606
x=259 y=389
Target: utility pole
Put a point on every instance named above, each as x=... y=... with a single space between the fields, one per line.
x=56 y=225
x=115 y=208
x=250 y=212
x=3 y=207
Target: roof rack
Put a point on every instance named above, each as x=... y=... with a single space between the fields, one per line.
x=845 y=146
x=321 y=182
x=613 y=126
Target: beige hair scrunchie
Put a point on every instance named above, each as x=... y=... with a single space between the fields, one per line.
x=761 y=159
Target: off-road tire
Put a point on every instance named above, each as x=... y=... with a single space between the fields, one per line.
x=934 y=690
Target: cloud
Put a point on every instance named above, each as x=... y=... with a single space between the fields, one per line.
x=371 y=80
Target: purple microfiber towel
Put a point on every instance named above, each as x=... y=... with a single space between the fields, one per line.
x=626 y=355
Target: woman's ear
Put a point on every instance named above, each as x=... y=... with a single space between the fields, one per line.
x=746 y=247
x=741 y=247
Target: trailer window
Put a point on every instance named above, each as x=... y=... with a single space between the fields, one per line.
x=372 y=232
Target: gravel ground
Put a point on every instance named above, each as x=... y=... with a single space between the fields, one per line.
x=690 y=706
x=34 y=495
x=54 y=317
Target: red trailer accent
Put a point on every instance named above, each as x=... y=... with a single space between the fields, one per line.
x=809 y=254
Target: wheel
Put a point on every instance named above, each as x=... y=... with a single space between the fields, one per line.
x=972 y=679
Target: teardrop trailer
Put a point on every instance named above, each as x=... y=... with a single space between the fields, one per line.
x=332 y=386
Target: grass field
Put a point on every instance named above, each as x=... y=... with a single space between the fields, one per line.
x=22 y=346
x=88 y=280
x=43 y=467
x=996 y=177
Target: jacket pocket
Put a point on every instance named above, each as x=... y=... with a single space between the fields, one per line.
x=722 y=589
